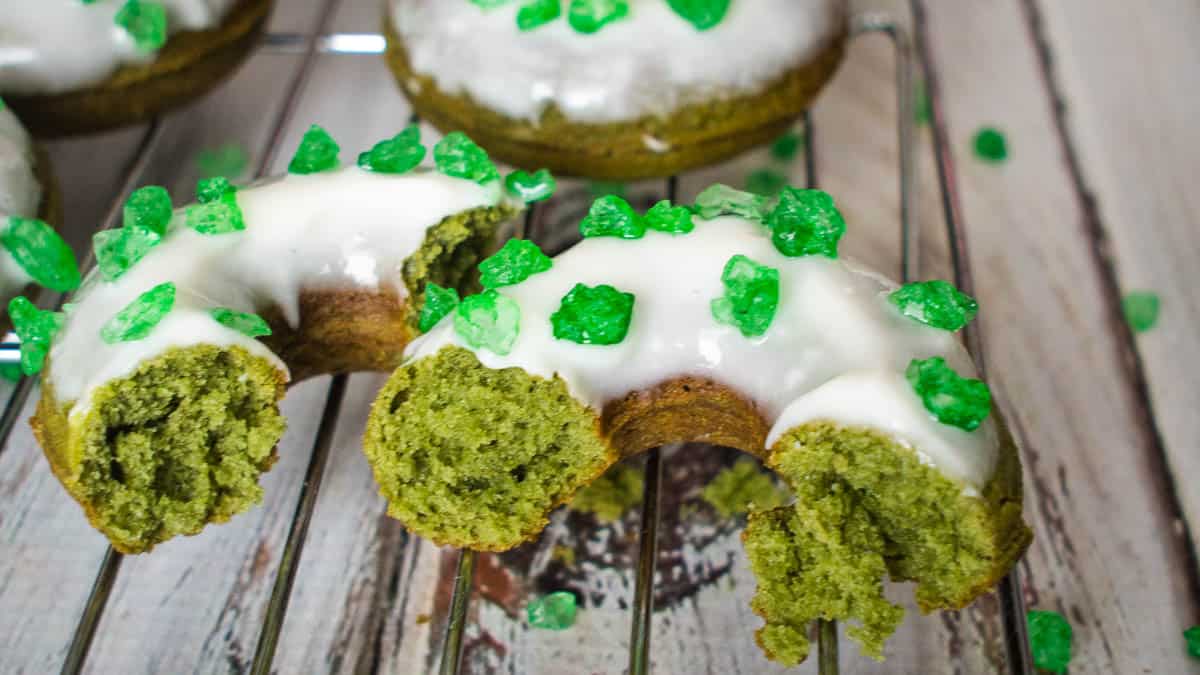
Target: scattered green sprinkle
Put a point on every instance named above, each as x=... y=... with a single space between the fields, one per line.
x=488 y=320
x=119 y=250
x=593 y=315
x=751 y=296
x=530 y=187
x=703 y=14
x=720 y=200
x=139 y=317
x=438 y=303
x=213 y=189
x=317 y=152
x=611 y=495
x=44 y=256
x=555 y=611
x=951 y=399
x=612 y=216
x=787 y=146
x=250 y=325
x=216 y=217
x=1049 y=640
x=1192 y=637
x=604 y=188
x=806 y=222
x=515 y=262
x=922 y=108
x=765 y=182
x=538 y=13
x=457 y=155
x=399 y=154
x=36 y=328
x=664 y=217
x=589 y=16
x=228 y=160
x=146 y=23
x=1141 y=310
x=742 y=488
x=935 y=303
x=148 y=208
x=990 y=145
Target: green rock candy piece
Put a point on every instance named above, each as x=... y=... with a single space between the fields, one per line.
x=1141 y=310
x=119 y=250
x=703 y=14
x=538 y=13
x=935 y=303
x=806 y=222
x=250 y=325
x=457 y=155
x=489 y=321
x=39 y=251
x=139 y=317
x=751 y=296
x=146 y=23
x=515 y=262
x=210 y=190
x=765 y=182
x=596 y=315
x=36 y=328
x=218 y=217
x=990 y=145
x=612 y=216
x=438 y=303
x=317 y=152
x=1049 y=640
x=531 y=187
x=227 y=160
x=555 y=611
x=1192 y=637
x=786 y=146
x=670 y=219
x=398 y=154
x=589 y=16
x=952 y=400
x=722 y=200
x=148 y=208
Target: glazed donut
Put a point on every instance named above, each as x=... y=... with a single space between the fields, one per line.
x=159 y=396
x=732 y=323
x=72 y=67
x=615 y=90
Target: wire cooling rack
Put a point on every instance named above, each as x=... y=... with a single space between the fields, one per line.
x=909 y=55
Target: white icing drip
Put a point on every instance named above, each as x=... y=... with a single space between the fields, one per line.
x=20 y=194
x=651 y=62
x=53 y=46
x=347 y=228
x=833 y=318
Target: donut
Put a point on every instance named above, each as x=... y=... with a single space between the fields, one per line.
x=732 y=323
x=160 y=388
x=614 y=90
x=78 y=67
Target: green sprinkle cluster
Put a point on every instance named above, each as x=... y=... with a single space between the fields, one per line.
x=612 y=216
x=935 y=303
x=1141 y=310
x=146 y=216
x=1049 y=640
x=317 y=152
x=952 y=399
x=555 y=611
x=530 y=187
x=806 y=222
x=218 y=211
x=38 y=250
x=488 y=320
x=722 y=200
x=593 y=315
x=137 y=319
x=246 y=323
x=515 y=262
x=990 y=145
x=146 y=23
x=398 y=154
x=438 y=303
x=36 y=328
x=751 y=296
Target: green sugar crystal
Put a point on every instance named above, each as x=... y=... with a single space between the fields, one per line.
x=515 y=262
x=612 y=216
x=489 y=321
x=148 y=208
x=703 y=14
x=457 y=155
x=210 y=190
x=438 y=303
x=1049 y=640
x=935 y=303
x=538 y=13
x=1192 y=637
x=596 y=315
x=36 y=328
x=246 y=323
x=119 y=250
x=146 y=23
x=317 y=152
x=786 y=146
x=530 y=187
x=139 y=317
x=765 y=182
x=806 y=222
x=990 y=145
x=555 y=611
x=227 y=160
x=670 y=219
x=589 y=16
x=1141 y=310
x=722 y=200
x=751 y=296
x=44 y=256
x=398 y=154
x=218 y=217
x=951 y=399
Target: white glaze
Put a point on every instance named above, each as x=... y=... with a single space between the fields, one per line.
x=346 y=228
x=649 y=63
x=833 y=319
x=53 y=46
x=20 y=194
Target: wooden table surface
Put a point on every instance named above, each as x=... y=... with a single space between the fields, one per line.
x=1099 y=102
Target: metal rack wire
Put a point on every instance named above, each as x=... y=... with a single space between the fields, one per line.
x=319 y=40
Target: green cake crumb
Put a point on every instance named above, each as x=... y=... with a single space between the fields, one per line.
x=1049 y=640
x=611 y=495
x=1141 y=310
x=742 y=488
